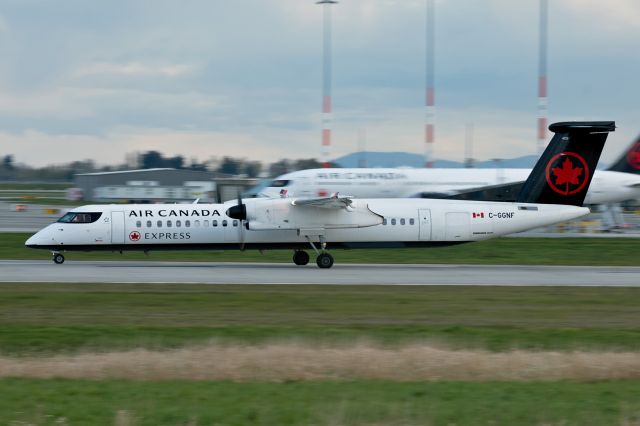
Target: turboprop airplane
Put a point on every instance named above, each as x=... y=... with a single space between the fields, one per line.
x=619 y=183
x=554 y=192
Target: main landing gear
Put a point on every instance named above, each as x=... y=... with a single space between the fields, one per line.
x=58 y=258
x=300 y=257
x=324 y=259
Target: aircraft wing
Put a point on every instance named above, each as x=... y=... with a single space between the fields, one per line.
x=333 y=202
x=507 y=192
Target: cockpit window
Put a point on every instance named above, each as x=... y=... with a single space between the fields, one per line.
x=278 y=183
x=72 y=217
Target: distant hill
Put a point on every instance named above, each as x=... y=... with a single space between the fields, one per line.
x=406 y=159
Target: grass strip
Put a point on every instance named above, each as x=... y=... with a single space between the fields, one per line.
x=30 y=186
x=51 y=318
x=119 y=402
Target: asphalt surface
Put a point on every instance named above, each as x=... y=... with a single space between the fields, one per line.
x=262 y=273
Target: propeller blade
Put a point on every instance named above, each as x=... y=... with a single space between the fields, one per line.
x=242 y=221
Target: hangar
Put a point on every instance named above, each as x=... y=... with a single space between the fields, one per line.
x=160 y=185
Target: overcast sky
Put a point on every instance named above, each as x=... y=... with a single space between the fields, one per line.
x=202 y=78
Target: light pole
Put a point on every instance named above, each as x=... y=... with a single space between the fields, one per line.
x=429 y=131
x=542 y=78
x=326 y=80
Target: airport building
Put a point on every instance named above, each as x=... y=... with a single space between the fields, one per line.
x=160 y=186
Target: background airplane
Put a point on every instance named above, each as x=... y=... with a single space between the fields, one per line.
x=619 y=183
x=554 y=192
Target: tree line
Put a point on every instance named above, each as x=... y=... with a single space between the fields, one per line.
x=231 y=166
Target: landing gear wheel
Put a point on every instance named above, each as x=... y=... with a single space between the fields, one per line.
x=300 y=257
x=58 y=258
x=324 y=260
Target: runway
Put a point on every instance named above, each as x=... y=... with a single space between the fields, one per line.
x=24 y=271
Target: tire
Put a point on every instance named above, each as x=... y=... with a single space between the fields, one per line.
x=58 y=259
x=324 y=261
x=300 y=257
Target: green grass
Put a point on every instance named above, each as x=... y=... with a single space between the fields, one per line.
x=47 y=201
x=30 y=186
x=508 y=251
x=117 y=402
x=46 y=318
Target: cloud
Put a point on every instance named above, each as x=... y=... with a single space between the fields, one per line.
x=246 y=75
x=618 y=17
x=112 y=147
x=4 y=26
x=135 y=69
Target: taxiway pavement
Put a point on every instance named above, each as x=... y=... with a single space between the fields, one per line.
x=25 y=271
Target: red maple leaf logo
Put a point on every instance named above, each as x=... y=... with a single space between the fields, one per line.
x=134 y=236
x=567 y=173
x=567 y=176
x=634 y=156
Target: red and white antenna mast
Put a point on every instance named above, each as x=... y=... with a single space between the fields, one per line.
x=542 y=78
x=429 y=135
x=326 y=80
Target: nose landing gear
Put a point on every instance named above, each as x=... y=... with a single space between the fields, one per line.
x=58 y=258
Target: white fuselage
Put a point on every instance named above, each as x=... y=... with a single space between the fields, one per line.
x=279 y=223
x=606 y=187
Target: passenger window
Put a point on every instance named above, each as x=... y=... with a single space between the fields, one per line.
x=148 y=224
x=138 y=224
x=187 y=223
x=402 y=221
x=224 y=223
x=168 y=224
x=205 y=224
x=159 y=223
x=214 y=222
x=196 y=223
x=235 y=223
x=393 y=221
x=178 y=224
x=384 y=221
x=412 y=221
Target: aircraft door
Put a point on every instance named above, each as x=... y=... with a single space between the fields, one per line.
x=117 y=227
x=302 y=187
x=458 y=226
x=424 y=216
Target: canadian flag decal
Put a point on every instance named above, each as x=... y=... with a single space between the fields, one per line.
x=478 y=215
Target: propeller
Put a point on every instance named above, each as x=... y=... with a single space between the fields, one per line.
x=239 y=212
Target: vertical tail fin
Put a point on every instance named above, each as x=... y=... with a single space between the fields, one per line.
x=629 y=161
x=563 y=173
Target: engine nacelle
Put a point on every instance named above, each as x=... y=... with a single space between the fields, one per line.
x=281 y=214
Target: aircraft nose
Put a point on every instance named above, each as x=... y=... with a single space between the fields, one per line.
x=32 y=241
x=38 y=239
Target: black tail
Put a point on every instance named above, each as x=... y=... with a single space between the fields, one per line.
x=629 y=162
x=563 y=173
